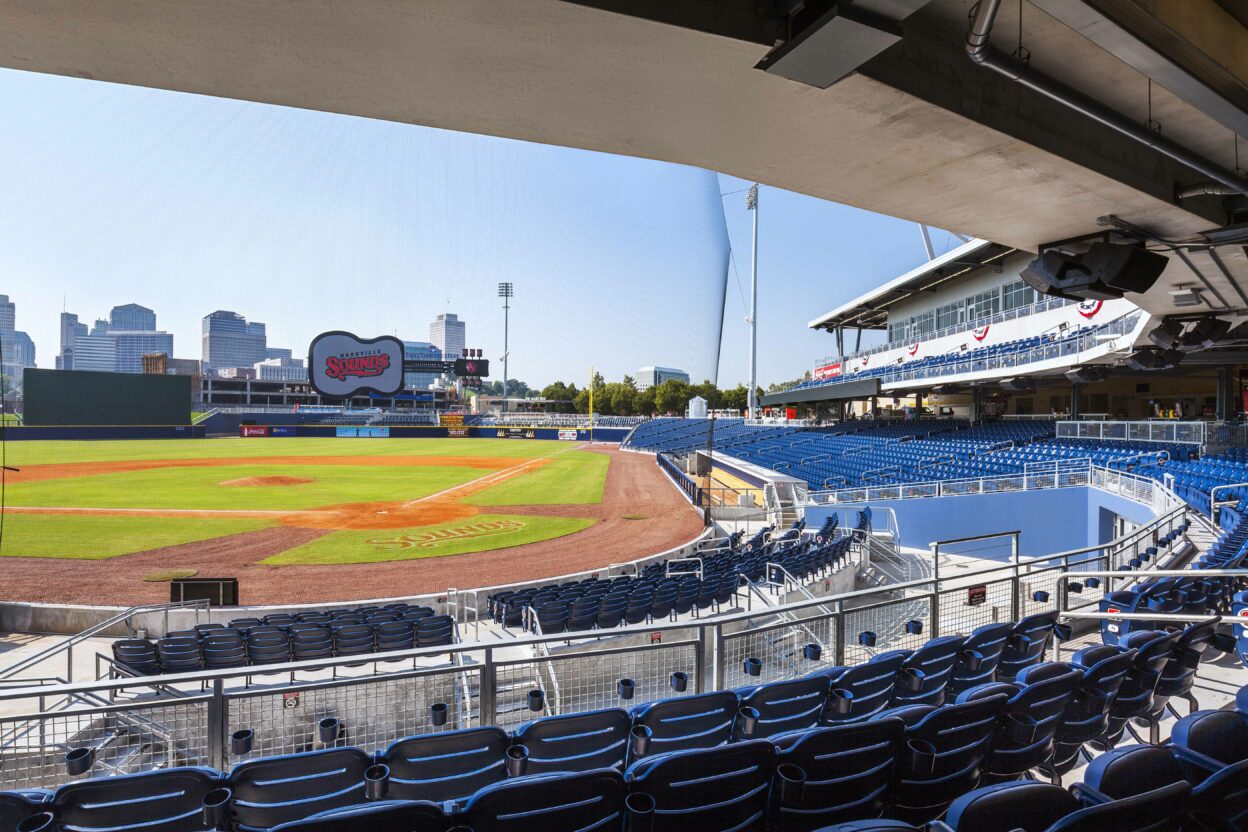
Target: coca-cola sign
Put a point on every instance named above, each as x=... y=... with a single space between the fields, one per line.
x=341 y=365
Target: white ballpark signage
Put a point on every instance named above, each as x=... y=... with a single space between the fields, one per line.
x=340 y=365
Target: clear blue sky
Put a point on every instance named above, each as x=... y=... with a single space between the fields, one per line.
x=312 y=221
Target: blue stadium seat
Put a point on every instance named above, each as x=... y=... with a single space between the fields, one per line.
x=1026 y=645
x=276 y=790
x=381 y=816
x=587 y=800
x=786 y=706
x=16 y=807
x=714 y=789
x=577 y=742
x=688 y=722
x=446 y=766
x=870 y=686
x=169 y=800
x=977 y=661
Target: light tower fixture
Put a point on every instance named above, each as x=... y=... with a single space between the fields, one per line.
x=751 y=204
x=506 y=291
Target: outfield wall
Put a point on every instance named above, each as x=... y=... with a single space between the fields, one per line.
x=101 y=432
x=292 y=427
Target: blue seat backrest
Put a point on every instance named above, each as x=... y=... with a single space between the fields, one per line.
x=446 y=766
x=849 y=770
x=382 y=816
x=701 y=721
x=977 y=663
x=933 y=662
x=788 y=706
x=871 y=683
x=576 y=742
x=710 y=789
x=15 y=807
x=1026 y=644
x=294 y=786
x=158 y=801
x=548 y=802
x=1220 y=735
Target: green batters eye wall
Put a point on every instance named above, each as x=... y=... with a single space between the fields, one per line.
x=75 y=397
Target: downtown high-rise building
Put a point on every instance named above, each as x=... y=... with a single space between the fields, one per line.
x=230 y=340
x=113 y=345
x=71 y=329
x=420 y=351
x=447 y=333
x=16 y=347
x=132 y=318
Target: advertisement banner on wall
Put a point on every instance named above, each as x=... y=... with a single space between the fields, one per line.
x=341 y=365
x=515 y=433
x=568 y=435
x=362 y=432
x=827 y=371
x=253 y=430
x=283 y=430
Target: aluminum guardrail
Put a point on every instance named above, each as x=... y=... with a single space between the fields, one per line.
x=1190 y=433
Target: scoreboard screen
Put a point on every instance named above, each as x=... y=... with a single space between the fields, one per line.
x=472 y=367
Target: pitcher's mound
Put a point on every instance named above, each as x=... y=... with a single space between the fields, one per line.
x=279 y=480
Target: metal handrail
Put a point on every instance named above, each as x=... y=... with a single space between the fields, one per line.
x=67 y=645
x=1214 y=505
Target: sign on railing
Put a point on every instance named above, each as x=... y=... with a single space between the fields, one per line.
x=1192 y=433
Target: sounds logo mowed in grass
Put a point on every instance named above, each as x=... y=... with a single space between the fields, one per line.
x=427 y=540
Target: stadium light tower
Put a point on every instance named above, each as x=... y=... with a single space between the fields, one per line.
x=505 y=291
x=751 y=204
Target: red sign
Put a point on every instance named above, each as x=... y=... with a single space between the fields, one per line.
x=253 y=430
x=976 y=595
x=357 y=366
x=827 y=371
x=656 y=638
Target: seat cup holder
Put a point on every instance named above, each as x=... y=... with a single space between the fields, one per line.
x=1019 y=643
x=79 y=761
x=972 y=660
x=747 y=721
x=537 y=700
x=842 y=701
x=327 y=729
x=376 y=781
x=38 y=822
x=922 y=757
x=753 y=666
x=437 y=713
x=679 y=681
x=241 y=742
x=217 y=808
x=517 y=760
x=792 y=781
x=1063 y=632
x=1022 y=728
x=639 y=740
x=912 y=679
x=812 y=652
x=625 y=688
x=638 y=812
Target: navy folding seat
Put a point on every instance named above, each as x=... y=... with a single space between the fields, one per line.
x=924 y=675
x=446 y=766
x=1219 y=793
x=310 y=641
x=977 y=662
x=702 y=721
x=1005 y=807
x=381 y=816
x=168 y=800
x=276 y=790
x=791 y=705
x=416 y=614
x=1039 y=696
x=224 y=648
x=17 y=806
x=663 y=601
x=1137 y=693
x=1026 y=645
x=1086 y=717
x=583 y=614
x=352 y=639
x=138 y=655
x=716 y=789
x=611 y=611
x=435 y=630
x=587 y=800
x=268 y=645
x=552 y=617
x=863 y=690
x=179 y=654
x=849 y=772
x=1179 y=675
x=390 y=636
x=279 y=619
x=576 y=742
x=312 y=618
x=946 y=749
x=245 y=623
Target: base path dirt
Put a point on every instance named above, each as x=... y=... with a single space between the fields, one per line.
x=635 y=487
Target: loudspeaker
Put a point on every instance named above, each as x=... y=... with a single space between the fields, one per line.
x=1167 y=334
x=1204 y=334
x=1105 y=271
x=1151 y=358
x=1087 y=375
x=1018 y=385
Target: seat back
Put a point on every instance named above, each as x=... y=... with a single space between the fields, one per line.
x=447 y=766
x=169 y=800
x=702 y=721
x=871 y=685
x=849 y=771
x=577 y=742
x=15 y=807
x=1007 y=806
x=587 y=800
x=138 y=654
x=945 y=754
x=224 y=648
x=1160 y=810
x=1219 y=735
x=435 y=630
x=291 y=787
x=977 y=662
x=1103 y=668
x=383 y=816
x=1026 y=644
x=924 y=675
x=1024 y=737
x=716 y=789
x=793 y=705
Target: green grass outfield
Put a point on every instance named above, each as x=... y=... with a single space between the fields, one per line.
x=572 y=477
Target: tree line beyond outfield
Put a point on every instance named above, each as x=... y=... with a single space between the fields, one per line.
x=622 y=398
